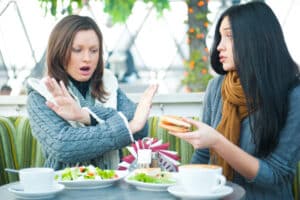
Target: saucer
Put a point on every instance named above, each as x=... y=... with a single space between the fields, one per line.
x=18 y=191
x=178 y=191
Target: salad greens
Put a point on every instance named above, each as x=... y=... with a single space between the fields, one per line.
x=143 y=177
x=85 y=173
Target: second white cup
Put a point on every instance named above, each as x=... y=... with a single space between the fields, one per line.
x=201 y=179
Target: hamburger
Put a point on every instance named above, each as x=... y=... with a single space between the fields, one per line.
x=148 y=171
x=174 y=124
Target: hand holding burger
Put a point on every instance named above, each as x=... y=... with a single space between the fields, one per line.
x=174 y=124
x=204 y=136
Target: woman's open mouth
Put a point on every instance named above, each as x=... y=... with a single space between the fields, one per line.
x=85 y=70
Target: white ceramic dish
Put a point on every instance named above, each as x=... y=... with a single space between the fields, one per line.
x=150 y=186
x=19 y=193
x=92 y=184
x=178 y=191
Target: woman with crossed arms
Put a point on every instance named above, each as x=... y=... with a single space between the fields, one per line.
x=82 y=117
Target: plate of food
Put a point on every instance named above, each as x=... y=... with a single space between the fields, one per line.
x=88 y=177
x=151 y=179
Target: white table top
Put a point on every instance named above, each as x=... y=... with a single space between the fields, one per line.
x=121 y=190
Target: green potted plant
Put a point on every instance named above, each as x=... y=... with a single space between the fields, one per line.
x=196 y=74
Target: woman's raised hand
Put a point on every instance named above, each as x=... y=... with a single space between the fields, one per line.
x=204 y=137
x=143 y=109
x=65 y=106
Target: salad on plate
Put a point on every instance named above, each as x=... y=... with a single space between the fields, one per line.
x=85 y=173
x=88 y=177
x=152 y=179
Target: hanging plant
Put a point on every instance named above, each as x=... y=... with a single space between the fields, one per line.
x=119 y=10
x=196 y=74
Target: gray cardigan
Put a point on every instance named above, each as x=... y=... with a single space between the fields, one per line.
x=276 y=172
x=64 y=145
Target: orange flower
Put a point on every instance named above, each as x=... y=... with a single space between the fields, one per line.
x=192 y=65
x=191 y=30
x=204 y=71
x=201 y=3
x=204 y=58
x=206 y=50
x=200 y=35
x=206 y=24
x=191 y=10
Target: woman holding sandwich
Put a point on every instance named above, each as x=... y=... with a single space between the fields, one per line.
x=251 y=117
x=81 y=116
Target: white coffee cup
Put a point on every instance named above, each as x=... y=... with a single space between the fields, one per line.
x=201 y=179
x=36 y=180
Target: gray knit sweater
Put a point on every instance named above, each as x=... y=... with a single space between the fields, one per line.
x=64 y=145
x=276 y=172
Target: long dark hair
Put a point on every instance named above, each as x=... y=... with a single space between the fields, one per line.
x=59 y=51
x=266 y=69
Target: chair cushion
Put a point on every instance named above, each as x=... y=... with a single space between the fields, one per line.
x=18 y=148
x=29 y=152
x=8 y=155
x=296 y=185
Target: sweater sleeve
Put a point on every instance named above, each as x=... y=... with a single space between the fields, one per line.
x=65 y=143
x=280 y=165
x=127 y=107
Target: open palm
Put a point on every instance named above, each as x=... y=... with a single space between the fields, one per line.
x=65 y=106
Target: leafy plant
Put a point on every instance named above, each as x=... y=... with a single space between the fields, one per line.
x=119 y=10
x=196 y=75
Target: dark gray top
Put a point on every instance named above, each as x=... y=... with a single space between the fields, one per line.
x=276 y=172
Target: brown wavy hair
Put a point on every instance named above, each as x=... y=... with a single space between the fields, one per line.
x=59 y=51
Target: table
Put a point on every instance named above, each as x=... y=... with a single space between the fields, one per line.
x=120 y=190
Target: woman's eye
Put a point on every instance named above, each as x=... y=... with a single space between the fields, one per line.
x=76 y=50
x=94 y=50
x=229 y=35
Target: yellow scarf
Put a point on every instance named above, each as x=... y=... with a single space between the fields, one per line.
x=234 y=111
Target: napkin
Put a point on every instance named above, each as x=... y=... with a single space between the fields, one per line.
x=168 y=160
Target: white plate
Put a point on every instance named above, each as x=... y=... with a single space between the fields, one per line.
x=150 y=186
x=18 y=191
x=178 y=191
x=92 y=184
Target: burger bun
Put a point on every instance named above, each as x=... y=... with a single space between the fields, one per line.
x=174 y=124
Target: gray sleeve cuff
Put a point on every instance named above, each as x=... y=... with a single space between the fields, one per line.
x=264 y=174
x=127 y=125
